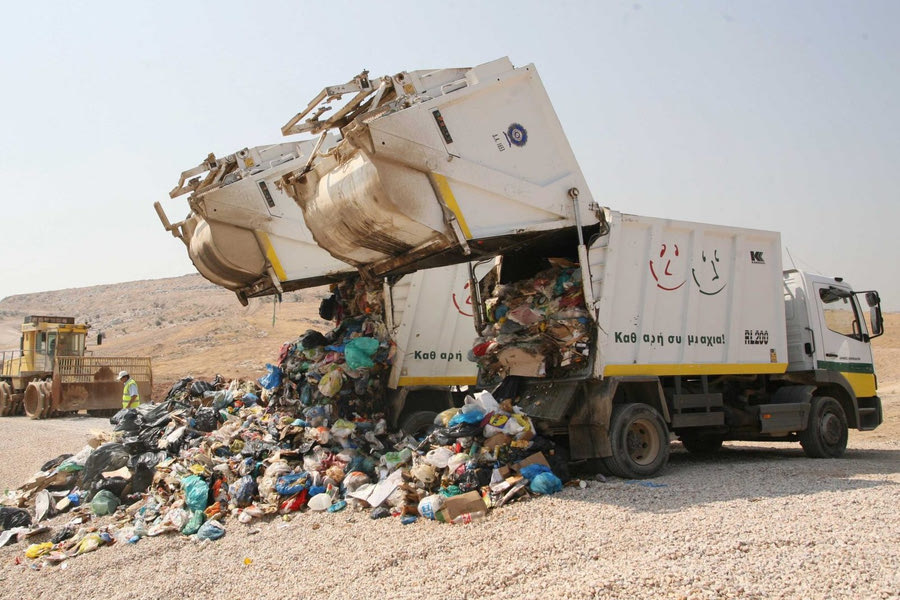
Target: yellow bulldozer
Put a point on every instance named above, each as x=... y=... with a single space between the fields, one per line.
x=51 y=373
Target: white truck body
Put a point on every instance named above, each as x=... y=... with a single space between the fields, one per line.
x=677 y=298
x=430 y=316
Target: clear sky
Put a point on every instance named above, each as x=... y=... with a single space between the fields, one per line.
x=763 y=114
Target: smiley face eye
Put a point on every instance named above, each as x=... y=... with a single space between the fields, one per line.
x=663 y=251
x=676 y=249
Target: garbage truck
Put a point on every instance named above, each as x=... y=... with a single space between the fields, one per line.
x=664 y=328
x=52 y=373
x=681 y=328
x=244 y=233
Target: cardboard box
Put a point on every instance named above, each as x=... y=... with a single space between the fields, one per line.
x=454 y=506
x=522 y=363
x=535 y=459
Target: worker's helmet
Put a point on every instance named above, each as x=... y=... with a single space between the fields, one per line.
x=123 y=374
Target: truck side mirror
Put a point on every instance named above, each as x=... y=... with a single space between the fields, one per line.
x=877 y=321
x=99 y=338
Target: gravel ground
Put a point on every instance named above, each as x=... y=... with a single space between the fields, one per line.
x=754 y=521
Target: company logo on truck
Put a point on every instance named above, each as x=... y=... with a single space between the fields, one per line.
x=756 y=257
x=515 y=135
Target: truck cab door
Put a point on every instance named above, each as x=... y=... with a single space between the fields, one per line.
x=845 y=338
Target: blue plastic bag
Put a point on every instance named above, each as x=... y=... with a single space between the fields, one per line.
x=196 y=492
x=532 y=471
x=292 y=483
x=243 y=490
x=272 y=379
x=545 y=483
x=471 y=417
x=211 y=530
x=359 y=352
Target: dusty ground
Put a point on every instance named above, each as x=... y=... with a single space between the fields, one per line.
x=755 y=521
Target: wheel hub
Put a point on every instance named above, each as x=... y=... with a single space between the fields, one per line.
x=831 y=429
x=641 y=442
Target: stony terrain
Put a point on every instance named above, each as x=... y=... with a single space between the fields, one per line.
x=754 y=521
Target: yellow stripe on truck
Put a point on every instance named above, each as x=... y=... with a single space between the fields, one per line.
x=270 y=254
x=863 y=384
x=449 y=381
x=694 y=369
x=450 y=200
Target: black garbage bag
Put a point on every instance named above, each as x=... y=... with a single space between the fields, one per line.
x=180 y=386
x=52 y=464
x=129 y=421
x=115 y=485
x=150 y=437
x=144 y=468
x=135 y=445
x=328 y=307
x=13 y=517
x=198 y=388
x=206 y=419
x=313 y=339
x=107 y=457
x=114 y=420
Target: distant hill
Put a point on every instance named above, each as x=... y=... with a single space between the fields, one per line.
x=187 y=325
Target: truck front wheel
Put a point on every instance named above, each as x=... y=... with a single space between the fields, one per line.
x=826 y=434
x=639 y=440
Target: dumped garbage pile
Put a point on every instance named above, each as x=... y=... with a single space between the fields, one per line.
x=310 y=435
x=341 y=374
x=536 y=327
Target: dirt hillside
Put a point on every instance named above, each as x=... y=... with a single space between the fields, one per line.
x=187 y=325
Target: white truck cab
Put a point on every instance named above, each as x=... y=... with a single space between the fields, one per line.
x=829 y=334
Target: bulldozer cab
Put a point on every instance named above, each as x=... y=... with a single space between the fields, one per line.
x=43 y=339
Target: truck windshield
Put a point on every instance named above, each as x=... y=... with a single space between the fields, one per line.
x=70 y=345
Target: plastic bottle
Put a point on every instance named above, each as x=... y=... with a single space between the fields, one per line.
x=469 y=517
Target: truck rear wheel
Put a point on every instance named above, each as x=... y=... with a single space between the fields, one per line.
x=640 y=441
x=826 y=434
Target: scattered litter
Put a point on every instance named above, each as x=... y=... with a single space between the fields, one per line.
x=648 y=484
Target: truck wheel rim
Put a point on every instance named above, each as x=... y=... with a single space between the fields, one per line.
x=830 y=426
x=642 y=442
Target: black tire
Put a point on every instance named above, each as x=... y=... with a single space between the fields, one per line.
x=826 y=434
x=696 y=443
x=640 y=441
x=418 y=423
